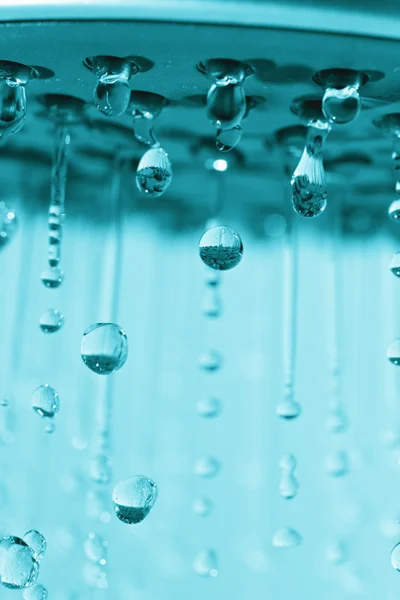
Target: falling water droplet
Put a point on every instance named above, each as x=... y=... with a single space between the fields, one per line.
x=336 y=553
x=288 y=409
x=112 y=94
x=395 y=264
x=154 y=172
x=100 y=468
x=134 y=498
x=12 y=106
x=221 y=248
x=393 y=352
x=203 y=506
x=18 y=567
x=288 y=486
x=341 y=106
x=206 y=563
x=36 y=543
x=207 y=467
x=286 y=538
x=4 y=402
x=212 y=302
x=45 y=401
x=337 y=463
x=209 y=408
x=227 y=139
x=336 y=421
x=288 y=462
x=96 y=549
x=104 y=348
x=395 y=557
x=51 y=321
x=36 y=592
x=394 y=210
x=8 y=224
x=52 y=277
x=210 y=361
x=49 y=426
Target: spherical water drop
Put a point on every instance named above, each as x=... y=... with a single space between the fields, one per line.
x=341 y=106
x=154 y=172
x=286 y=538
x=207 y=467
x=395 y=557
x=12 y=106
x=45 y=401
x=394 y=210
x=4 y=402
x=226 y=104
x=221 y=248
x=50 y=426
x=100 y=468
x=309 y=197
x=36 y=592
x=51 y=321
x=336 y=421
x=8 y=224
x=393 y=352
x=337 y=464
x=134 y=498
x=104 y=348
x=210 y=361
x=52 y=277
x=18 y=567
x=206 y=563
x=288 y=409
x=209 y=408
x=203 y=506
x=112 y=95
x=36 y=543
x=227 y=139
x=395 y=264
x=336 y=553
x=96 y=549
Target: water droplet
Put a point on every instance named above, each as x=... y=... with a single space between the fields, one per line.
x=154 y=172
x=341 y=106
x=112 y=95
x=104 y=348
x=221 y=248
x=395 y=557
x=395 y=264
x=288 y=486
x=288 y=462
x=100 y=468
x=134 y=498
x=288 y=409
x=36 y=592
x=286 y=538
x=18 y=567
x=209 y=408
x=212 y=302
x=210 y=361
x=226 y=104
x=337 y=421
x=4 y=402
x=8 y=224
x=337 y=464
x=52 y=277
x=227 y=139
x=206 y=563
x=51 y=321
x=207 y=467
x=203 y=506
x=12 y=106
x=394 y=210
x=45 y=401
x=49 y=426
x=393 y=352
x=36 y=543
x=96 y=549
x=336 y=553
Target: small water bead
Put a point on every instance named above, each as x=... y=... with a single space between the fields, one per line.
x=337 y=464
x=36 y=543
x=96 y=549
x=394 y=210
x=336 y=553
x=112 y=94
x=52 y=277
x=203 y=506
x=18 y=567
x=395 y=557
x=393 y=352
x=134 y=498
x=287 y=538
x=49 y=426
x=227 y=139
x=288 y=462
x=104 y=348
x=207 y=467
x=288 y=486
x=337 y=421
x=51 y=320
x=288 y=409
x=45 y=401
x=36 y=592
x=4 y=402
x=8 y=224
x=341 y=106
x=12 y=106
x=154 y=172
x=100 y=468
x=206 y=563
x=395 y=264
x=209 y=408
x=221 y=248
x=210 y=361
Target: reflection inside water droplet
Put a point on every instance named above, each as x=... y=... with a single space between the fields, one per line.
x=341 y=106
x=19 y=569
x=221 y=248
x=51 y=321
x=52 y=277
x=104 y=348
x=206 y=563
x=134 y=498
x=286 y=538
x=154 y=173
